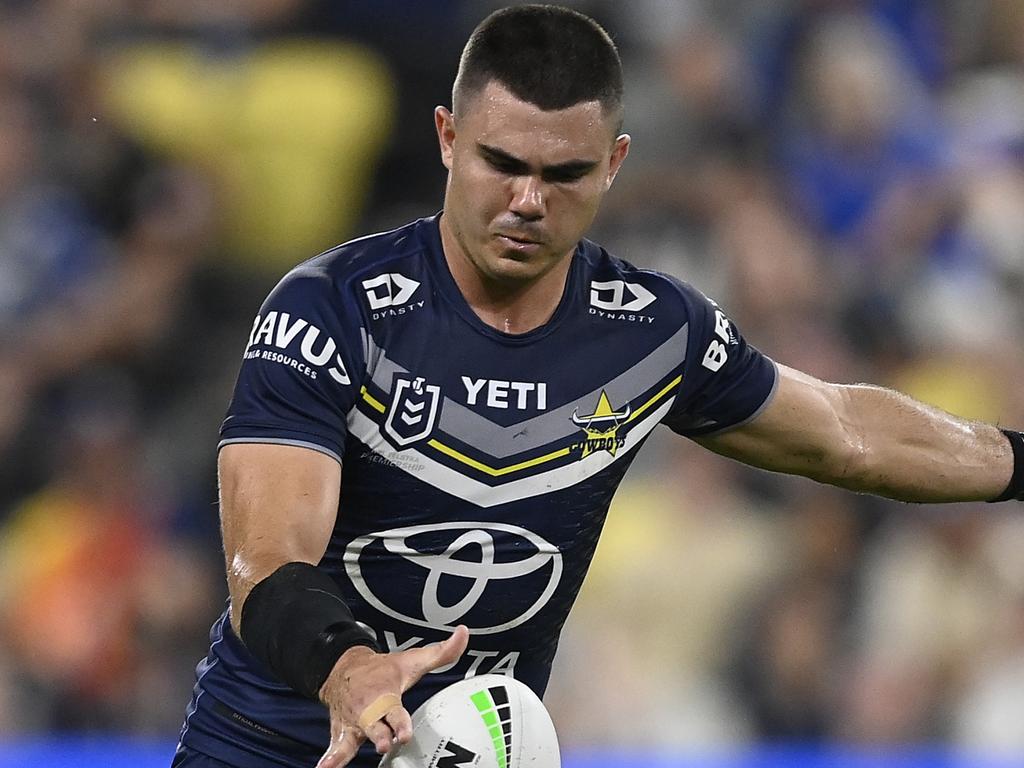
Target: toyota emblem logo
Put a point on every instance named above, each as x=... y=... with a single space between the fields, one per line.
x=450 y=568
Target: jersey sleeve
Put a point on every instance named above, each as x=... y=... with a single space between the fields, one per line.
x=300 y=368
x=726 y=381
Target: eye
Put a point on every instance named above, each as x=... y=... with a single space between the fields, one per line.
x=564 y=177
x=502 y=165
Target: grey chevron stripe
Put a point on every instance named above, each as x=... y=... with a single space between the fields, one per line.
x=550 y=426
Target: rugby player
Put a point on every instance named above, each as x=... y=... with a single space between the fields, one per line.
x=485 y=376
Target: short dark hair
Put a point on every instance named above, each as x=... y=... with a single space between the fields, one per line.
x=546 y=55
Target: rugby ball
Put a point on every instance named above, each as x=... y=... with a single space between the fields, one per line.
x=490 y=721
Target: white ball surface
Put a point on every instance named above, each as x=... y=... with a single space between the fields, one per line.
x=490 y=721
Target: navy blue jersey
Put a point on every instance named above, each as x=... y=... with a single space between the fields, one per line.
x=478 y=466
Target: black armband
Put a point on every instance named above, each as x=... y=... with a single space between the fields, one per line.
x=297 y=623
x=1015 y=490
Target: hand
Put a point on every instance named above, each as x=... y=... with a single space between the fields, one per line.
x=366 y=686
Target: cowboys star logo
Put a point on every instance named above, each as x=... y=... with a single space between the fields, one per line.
x=601 y=427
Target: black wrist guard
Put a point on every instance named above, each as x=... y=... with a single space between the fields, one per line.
x=1015 y=490
x=296 y=622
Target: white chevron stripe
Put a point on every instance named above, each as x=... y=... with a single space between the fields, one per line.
x=454 y=482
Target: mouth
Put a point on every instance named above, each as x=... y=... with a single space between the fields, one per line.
x=517 y=238
x=519 y=243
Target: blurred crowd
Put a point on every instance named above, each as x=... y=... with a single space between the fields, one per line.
x=846 y=177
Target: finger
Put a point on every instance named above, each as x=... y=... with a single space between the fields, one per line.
x=342 y=750
x=401 y=724
x=422 y=660
x=381 y=735
x=378 y=708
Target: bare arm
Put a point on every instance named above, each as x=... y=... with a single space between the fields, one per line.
x=871 y=439
x=278 y=504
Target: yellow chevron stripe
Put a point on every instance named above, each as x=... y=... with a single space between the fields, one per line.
x=670 y=386
x=499 y=471
x=449 y=451
x=374 y=402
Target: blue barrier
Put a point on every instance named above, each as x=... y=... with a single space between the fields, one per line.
x=792 y=757
x=85 y=752
x=116 y=752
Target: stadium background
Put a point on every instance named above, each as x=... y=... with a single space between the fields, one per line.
x=846 y=177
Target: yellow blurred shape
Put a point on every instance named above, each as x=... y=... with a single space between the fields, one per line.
x=292 y=131
x=962 y=387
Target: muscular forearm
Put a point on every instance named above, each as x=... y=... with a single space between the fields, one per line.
x=873 y=440
x=906 y=450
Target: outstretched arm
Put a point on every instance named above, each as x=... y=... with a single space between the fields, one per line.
x=873 y=440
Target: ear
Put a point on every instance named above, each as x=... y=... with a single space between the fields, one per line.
x=619 y=152
x=444 y=121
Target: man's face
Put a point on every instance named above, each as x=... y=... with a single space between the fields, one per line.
x=524 y=184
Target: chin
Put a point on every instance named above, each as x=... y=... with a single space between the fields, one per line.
x=511 y=271
x=514 y=272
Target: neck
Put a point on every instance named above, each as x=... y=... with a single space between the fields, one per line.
x=511 y=306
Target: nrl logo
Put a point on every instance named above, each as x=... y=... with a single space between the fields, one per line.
x=601 y=427
x=413 y=410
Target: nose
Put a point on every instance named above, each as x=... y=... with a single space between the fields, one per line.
x=527 y=197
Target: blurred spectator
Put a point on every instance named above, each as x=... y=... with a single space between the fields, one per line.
x=861 y=148
x=983 y=715
x=79 y=562
x=786 y=670
x=918 y=28
x=678 y=561
x=49 y=246
x=120 y=306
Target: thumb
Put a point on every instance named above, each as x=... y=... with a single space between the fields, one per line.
x=448 y=651
x=451 y=649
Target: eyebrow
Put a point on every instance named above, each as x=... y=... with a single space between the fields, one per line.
x=569 y=168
